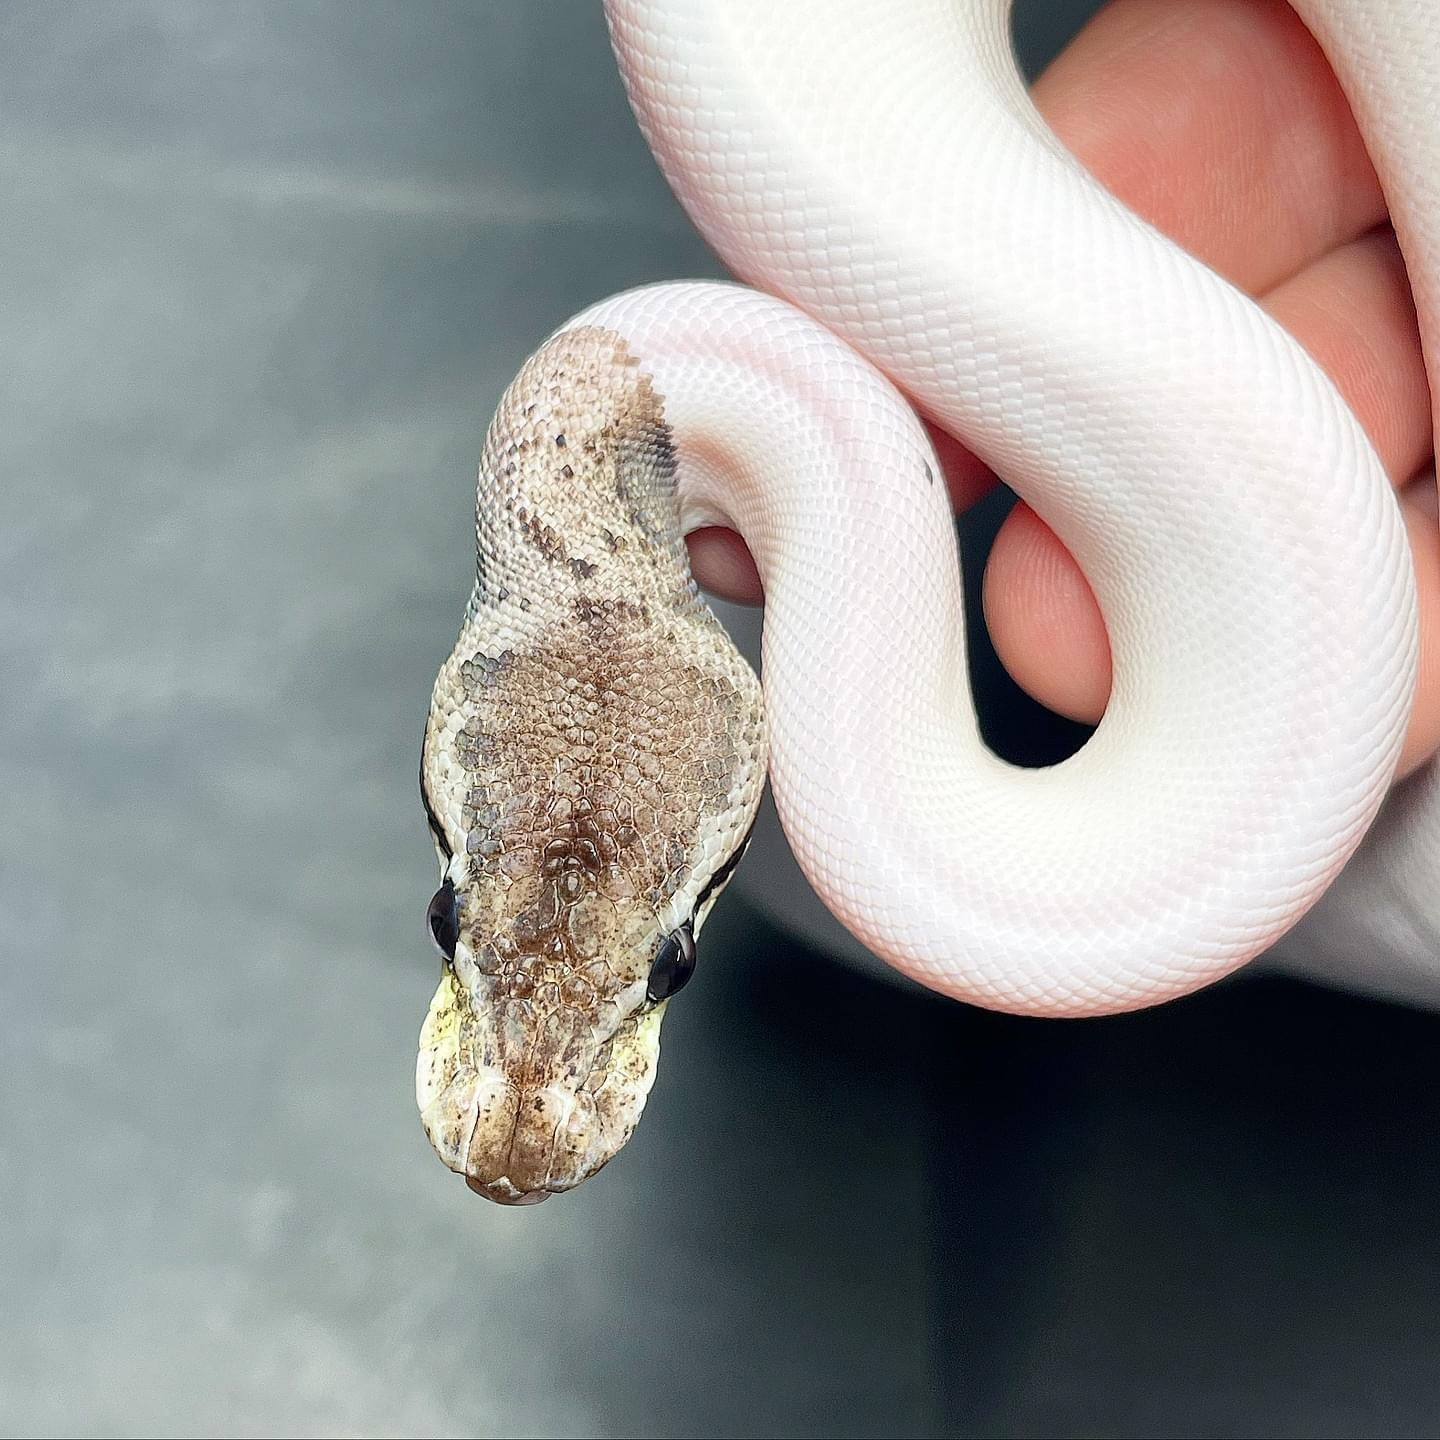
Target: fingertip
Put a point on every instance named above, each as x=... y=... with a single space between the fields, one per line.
x=1043 y=619
x=722 y=565
x=1354 y=313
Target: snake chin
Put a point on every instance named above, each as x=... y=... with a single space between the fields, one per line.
x=521 y=1124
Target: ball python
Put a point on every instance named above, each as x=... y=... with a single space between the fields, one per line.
x=913 y=241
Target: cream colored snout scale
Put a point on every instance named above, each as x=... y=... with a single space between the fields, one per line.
x=595 y=750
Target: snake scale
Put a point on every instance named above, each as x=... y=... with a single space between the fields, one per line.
x=596 y=747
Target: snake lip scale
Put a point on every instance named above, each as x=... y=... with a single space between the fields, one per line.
x=914 y=241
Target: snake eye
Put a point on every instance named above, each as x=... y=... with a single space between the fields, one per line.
x=443 y=919
x=674 y=964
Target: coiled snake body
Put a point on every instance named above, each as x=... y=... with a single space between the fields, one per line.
x=595 y=750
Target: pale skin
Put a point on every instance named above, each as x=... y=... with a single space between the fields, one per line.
x=1220 y=122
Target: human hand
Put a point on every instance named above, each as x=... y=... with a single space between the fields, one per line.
x=1220 y=122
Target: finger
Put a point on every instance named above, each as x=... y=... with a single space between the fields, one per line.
x=1418 y=505
x=1353 y=311
x=721 y=562
x=1044 y=621
x=967 y=476
x=1221 y=123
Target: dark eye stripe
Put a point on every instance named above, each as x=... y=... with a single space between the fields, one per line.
x=436 y=828
x=727 y=869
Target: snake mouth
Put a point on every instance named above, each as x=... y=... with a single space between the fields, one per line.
x=502 y=1192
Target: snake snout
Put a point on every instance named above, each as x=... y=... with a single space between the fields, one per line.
x=538 y=1143
x=521 y=1127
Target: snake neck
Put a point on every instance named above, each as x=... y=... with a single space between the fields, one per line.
x=576 y=507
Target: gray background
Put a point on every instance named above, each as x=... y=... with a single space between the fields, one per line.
x=264 y=270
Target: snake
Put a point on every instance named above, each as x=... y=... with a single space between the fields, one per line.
x=911 y=243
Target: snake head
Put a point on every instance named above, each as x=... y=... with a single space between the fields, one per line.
x=586 y=821
x=535 y=1061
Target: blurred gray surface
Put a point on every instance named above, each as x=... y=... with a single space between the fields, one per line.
x=264 y=270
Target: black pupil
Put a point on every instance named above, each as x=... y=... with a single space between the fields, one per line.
x=443 y=918
x=674 y=964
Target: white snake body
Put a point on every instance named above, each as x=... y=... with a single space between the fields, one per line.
x=878 y=171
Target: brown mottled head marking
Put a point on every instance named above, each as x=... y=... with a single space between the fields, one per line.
x=594 y=756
